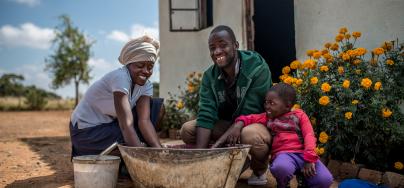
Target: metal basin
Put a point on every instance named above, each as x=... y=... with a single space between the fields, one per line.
x=180 y=166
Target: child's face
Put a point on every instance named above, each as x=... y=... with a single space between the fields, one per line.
x=274 y=105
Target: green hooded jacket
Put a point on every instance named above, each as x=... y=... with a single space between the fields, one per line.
x=253 y=82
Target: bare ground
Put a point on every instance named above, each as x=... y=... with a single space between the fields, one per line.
x=35 y=151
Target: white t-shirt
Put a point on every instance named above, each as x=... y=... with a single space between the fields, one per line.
x=97 y=105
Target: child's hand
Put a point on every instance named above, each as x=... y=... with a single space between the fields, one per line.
x=231 y=136
x=309 y=169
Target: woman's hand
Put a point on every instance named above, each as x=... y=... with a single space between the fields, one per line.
x=309 y=169
x=231 y=136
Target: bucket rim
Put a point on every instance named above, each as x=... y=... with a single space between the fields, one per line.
x=92 y=159
x=239 y=146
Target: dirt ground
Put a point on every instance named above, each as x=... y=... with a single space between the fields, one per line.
x=35 y=151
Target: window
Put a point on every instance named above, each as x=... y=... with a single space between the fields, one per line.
x=190 y=15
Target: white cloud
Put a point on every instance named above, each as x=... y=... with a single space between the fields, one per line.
x=27 y=35
x=100 y=67
x=136 y=30
x=30 y=3
x=118 y=36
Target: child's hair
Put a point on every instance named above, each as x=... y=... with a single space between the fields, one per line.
x=285 y=91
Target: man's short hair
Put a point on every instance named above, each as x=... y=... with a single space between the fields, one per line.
x=285 y=91
x=224 y=28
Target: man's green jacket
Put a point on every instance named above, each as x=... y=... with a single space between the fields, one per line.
x=253 y=82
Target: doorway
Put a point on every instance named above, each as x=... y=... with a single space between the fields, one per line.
x=274 y=33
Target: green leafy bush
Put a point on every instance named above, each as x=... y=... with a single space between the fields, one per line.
x=35 y=99
x=353 y=98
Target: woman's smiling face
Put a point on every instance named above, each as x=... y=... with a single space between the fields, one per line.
x=141 y=71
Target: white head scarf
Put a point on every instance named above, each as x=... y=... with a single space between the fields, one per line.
x=144 y=48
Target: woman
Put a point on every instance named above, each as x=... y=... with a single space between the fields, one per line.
x=118 y=107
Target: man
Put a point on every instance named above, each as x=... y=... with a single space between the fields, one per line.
x=235 y=85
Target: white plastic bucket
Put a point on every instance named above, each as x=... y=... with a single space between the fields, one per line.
x=95 y=171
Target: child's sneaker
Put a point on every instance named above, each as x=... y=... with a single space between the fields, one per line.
x=257 y=180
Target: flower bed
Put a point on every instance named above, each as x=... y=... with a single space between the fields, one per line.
x=353 y=98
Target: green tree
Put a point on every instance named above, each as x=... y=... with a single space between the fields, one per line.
x=10 y=85
x=69 y=61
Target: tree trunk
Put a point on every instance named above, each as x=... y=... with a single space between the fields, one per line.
x=76 y=84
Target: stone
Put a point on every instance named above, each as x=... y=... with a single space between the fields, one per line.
x=370 y=175
x=342 y=170
x=393 y=180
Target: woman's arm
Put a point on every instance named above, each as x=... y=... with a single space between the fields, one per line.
x=145 y=125
x=125 y=118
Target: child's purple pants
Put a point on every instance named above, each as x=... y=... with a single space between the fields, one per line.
x=286 y=165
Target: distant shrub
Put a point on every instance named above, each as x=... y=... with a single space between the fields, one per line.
x=35 y=99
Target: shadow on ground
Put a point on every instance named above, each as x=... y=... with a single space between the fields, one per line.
x=55 y=152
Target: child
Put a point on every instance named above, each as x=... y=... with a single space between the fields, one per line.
x=293 y=141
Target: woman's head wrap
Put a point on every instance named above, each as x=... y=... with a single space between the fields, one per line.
x=144 y=48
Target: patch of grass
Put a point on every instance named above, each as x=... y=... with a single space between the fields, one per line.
x=17 y=104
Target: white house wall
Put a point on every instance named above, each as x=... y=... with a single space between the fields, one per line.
x=185 y=52
x=318 y=21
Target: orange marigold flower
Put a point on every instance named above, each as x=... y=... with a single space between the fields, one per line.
x=341 y=70
x=339 y=37
x=180 y=104
x=327 y=45
x=295 y=64
x=296 y=106
x=286 y=70
x=348 y=115
x=334 y=47
x=347 y=36
x=319 y=151
x=309 y=53
x=310 y=64
x=361 y=51
x=191 y=88
x=324 y=51
x=327 y=56
x=386 y=112
x=298 y=82
x=377 y=86
x=345 y=57
x=324 y=100
x=314 y=80
x=346 y=84
x=288 y=80
x=323 y=137
x=366 y=83
x=398 y=165
x=389 y=62
x=356 y=34
x=343 y=30
x=316 y=55
x=282 y=77
x=378 y=51
x=325 y=87
x=324 y=68
x=357 y=61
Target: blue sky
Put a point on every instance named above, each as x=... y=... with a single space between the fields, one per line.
x=26 y=31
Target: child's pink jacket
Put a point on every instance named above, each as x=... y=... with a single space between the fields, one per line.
x=292 y=133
